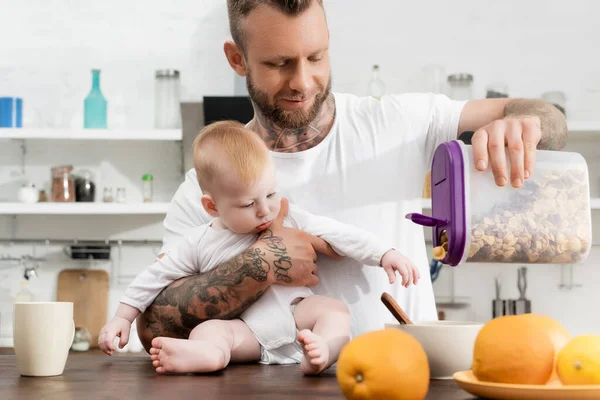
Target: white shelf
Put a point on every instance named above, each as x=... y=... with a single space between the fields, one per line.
x=584 y=129
x=91 y=134
x=83 y=208
x=594 y=204
x=577 y=129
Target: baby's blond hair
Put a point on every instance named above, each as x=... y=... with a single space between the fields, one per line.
x=228 y=144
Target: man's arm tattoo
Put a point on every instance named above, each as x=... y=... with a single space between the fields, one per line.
x=218 y=293
x=283 y=262
x=553 y=122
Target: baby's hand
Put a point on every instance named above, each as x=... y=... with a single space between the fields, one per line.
x=393 y=261
x=116 y=327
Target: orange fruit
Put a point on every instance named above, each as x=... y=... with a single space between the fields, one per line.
x=385 y=364
x=559 y=335
x=512 y=349
x=579 y=361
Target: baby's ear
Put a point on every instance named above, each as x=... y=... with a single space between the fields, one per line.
x=209 y=205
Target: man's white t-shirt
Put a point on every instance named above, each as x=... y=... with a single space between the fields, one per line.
x=367 y=172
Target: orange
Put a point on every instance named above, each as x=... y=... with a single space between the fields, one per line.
x=385 y=364
x=512 y=349
x=579 y=361
x=559 y=335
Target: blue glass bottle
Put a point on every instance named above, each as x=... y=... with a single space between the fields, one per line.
x=95 y=105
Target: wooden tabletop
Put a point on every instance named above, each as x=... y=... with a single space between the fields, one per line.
x=95 y=376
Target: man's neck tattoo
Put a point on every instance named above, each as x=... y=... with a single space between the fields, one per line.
x=295 y=140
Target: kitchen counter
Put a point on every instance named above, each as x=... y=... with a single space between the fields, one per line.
x=93 y=375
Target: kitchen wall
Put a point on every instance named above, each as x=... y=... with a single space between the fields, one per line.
x=48 y=49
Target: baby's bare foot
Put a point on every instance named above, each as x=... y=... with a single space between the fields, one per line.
x=316 y=352
x=181 y=356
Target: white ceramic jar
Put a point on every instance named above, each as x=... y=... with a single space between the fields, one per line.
x=28 y=194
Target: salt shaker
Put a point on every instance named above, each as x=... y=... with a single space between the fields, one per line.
x=121 y=196
x=107 y=197
x=167 y=113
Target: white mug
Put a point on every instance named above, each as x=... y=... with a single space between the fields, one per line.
x=43 y=333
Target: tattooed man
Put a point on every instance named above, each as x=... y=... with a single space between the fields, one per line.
x=356 y=159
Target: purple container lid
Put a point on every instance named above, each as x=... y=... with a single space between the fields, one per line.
x=448 y=201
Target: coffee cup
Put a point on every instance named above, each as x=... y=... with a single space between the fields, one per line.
x=43 y=333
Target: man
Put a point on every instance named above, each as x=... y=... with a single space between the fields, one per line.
x=359 y=160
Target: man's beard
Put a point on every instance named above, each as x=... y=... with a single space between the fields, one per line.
x=282 y=118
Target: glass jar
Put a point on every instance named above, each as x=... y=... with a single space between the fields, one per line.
x=496 y=90
x=460 y=86
x=558 y=99
x=63 y=186
x=81 y=340
x=43 y=196
x=167 y=114
x=147 y=187
x=85 y=188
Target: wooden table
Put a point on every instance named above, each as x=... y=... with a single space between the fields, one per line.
x=93 y=375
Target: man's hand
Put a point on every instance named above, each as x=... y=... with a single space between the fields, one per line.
x=522 y=125
x=521 y=135
x=294 y=252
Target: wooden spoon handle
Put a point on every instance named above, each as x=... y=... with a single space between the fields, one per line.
x=395 y=309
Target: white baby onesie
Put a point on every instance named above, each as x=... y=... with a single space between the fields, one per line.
x=270 y=318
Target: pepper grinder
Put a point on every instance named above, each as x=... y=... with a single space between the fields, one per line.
x=522 y=304
x=498 y=305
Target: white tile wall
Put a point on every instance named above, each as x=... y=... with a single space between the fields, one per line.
x=48 y=49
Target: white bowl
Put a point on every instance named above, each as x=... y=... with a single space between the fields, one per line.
x=448 y=344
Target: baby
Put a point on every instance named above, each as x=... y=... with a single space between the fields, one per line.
x=287 y=324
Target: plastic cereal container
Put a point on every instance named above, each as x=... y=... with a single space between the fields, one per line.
x=545 y=221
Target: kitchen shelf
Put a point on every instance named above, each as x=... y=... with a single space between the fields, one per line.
x=83 y=208
x=91 y=134
x=584 y=129
x=594 y=204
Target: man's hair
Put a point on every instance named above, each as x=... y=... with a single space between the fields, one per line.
x=228 y=144
x=240 y=9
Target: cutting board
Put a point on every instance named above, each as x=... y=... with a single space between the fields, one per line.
x=88 y=290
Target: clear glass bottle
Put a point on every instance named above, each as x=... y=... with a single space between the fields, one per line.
x=460 y=86
x=376 y=85
x=167 y=114
x=147 y=187
x=95 y=105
